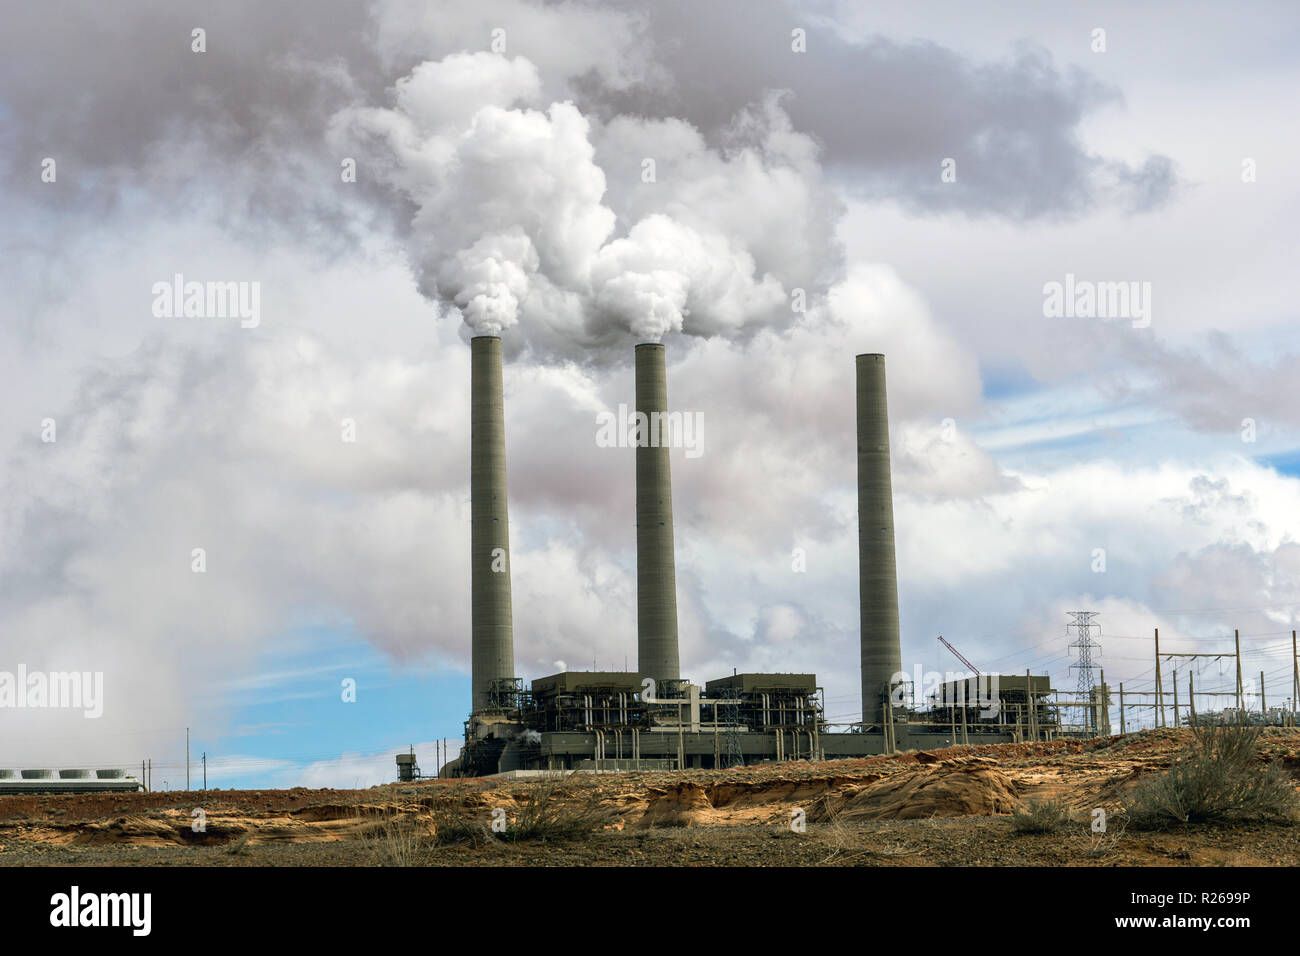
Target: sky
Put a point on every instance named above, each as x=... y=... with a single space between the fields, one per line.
x=255 y=524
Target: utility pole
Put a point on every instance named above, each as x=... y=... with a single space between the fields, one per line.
x=187 y=758
x=205 y=771
x=1033 y=711
x=1295 y=678
x=1236 y=637
x=1105 y=704
x=1263 y=704
x=1191 y=697
x=1160 y=697
x=1123 y=728
x=1175 y=696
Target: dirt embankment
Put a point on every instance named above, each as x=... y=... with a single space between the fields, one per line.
x=882 y=810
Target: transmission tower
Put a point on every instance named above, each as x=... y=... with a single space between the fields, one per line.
x=1083 y=625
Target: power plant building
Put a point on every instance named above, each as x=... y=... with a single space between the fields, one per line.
x=651 y=718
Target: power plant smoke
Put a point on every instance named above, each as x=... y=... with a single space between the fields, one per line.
x=534 y=217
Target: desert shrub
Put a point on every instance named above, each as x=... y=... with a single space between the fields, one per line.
x=1219 y=777
x=239 y=847
x=550 y=812
x=1041 y=816
x=452 y=825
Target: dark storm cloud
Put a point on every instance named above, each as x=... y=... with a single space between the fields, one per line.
x=888 y=113
x=116 y=89
x=103 y=85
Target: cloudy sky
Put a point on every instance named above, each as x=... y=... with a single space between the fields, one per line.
x=582 y=177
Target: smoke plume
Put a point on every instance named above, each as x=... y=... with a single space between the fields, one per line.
x=517 y=226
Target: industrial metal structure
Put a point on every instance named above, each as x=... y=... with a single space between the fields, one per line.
x=68 y=781
x=1083 y=623
x=407 y=768
x=653 y=719
x=610 y=720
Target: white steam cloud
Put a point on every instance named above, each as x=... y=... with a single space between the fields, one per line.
x=516 y=223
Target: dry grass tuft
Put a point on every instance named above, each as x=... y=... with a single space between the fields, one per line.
x=399 y=840
x=1041 y=816
x=551 y=811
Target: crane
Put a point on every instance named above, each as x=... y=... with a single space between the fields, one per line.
x=957 y=654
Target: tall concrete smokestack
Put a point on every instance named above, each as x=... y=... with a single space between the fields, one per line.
x=882 y=654
x=656 y=582
x=493 y=642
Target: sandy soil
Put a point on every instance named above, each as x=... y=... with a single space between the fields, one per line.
x=939 y=808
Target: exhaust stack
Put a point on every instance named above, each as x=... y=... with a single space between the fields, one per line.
x=656 y=583
x=492 y=629
x=882 y=655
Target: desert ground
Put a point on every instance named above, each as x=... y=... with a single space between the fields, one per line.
x=936 y=808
